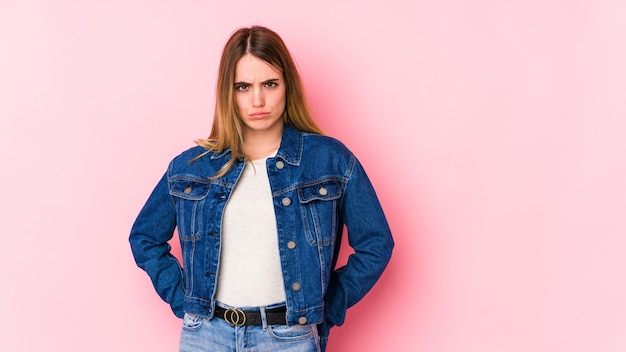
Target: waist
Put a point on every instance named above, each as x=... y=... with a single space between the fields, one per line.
x=275 y=315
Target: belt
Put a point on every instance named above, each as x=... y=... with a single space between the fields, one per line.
x=241 y=317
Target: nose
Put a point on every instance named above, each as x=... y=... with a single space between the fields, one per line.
x=258 y=98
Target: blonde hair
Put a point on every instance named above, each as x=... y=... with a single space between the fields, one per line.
x=226 y=131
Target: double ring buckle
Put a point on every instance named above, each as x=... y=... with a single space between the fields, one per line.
x=234 y=316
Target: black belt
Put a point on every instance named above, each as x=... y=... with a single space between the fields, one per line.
x=241 y=317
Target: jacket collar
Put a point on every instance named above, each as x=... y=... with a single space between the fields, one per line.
x=219 y=155
x=290 y=148
x=291 y=145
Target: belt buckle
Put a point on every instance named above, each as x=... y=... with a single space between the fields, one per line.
x=234 y=316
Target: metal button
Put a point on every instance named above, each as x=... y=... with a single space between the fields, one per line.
x=286 y=202
x=291 y=244
x=187 y=190
x=302 y=320
x=280 y=165
x=296 y=286
x=323 y=191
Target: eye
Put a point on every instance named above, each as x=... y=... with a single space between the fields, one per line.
x=271 y=84
x=241 y=87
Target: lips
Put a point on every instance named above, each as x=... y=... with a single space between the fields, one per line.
x=259 y=115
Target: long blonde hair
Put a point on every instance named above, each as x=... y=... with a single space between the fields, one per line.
x=266 y=45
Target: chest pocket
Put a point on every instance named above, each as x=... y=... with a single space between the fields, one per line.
x=189 y=197
x=319 y=203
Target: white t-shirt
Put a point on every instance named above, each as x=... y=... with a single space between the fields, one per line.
x=250 y=274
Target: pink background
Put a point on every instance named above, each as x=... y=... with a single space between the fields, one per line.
x=494 y=132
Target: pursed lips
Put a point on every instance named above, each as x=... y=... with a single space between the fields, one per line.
x=258 y=115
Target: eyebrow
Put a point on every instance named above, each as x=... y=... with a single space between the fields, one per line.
x=266 y=81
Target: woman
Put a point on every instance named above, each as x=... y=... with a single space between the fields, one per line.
x=260 y=208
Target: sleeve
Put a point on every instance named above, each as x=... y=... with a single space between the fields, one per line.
x=149 y=237
x=370 y=237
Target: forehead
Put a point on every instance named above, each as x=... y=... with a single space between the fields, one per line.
x=250 y=68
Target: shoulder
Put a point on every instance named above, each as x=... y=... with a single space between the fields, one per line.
x=197 y=161
x=322 y=143
x=327 y=154
x=190 y=154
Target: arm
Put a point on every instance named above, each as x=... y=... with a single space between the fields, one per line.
x=370 y=237
x=149 y=237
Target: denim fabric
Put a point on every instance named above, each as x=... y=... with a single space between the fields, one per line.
x=318 y=186
x=199 y=334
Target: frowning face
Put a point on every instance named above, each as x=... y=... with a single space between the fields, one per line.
x=259 y=95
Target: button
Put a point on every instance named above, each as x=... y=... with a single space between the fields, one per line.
x=187 y=190
x=286 y=202
x=302 y=320
x=280 y=165
x=291 y=244
x=296 y=286
x=323 y=191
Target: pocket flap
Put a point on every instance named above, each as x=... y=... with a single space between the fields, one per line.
x=320 y=191
x=189 y=189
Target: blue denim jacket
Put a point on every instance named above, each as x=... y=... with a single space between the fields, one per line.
x=318 y=186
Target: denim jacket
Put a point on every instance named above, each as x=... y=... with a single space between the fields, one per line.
x=317 y=185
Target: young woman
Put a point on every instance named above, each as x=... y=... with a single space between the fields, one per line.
x=260 y=207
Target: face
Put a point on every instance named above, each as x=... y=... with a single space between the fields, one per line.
x=259 y=95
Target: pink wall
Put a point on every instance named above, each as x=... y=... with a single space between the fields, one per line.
x=493 y=131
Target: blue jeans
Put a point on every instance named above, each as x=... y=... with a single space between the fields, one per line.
x=200 y=334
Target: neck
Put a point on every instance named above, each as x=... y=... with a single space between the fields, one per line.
x=260 y=144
